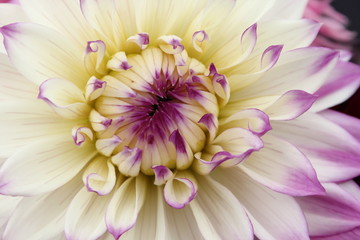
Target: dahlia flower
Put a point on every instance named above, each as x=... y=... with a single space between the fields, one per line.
x=333 y=33
x=192 y=119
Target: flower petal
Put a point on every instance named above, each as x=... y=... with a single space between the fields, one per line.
x=273 y=215
x=85 y=217
x=218 y=213
x=153 y=209
x=10 y=13
x=283 y=168
x=100 y=176
x=253 y=119
x=13 y=86
x=43 y=166
x=64 y=97
x=349 y=123
x=8 y=205
x=64 y=16
x=333 y=152
x=102 y=17
x=337 y=211
x=125 y=205
x=28 y=121
x=128 y=161
x=238 y=142
x=287 y=9
x=42 y=217
x=290 y=105
x=180 y=190
x=35 y=50
x=342 y=82
x=289 y=74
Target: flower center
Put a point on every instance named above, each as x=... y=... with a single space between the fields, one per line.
x=151 y=112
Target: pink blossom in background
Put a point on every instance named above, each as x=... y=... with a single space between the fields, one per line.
x=9 y=1
x=333 y=33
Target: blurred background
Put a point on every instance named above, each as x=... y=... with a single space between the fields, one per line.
x=351 y=9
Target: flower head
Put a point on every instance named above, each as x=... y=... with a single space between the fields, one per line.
x=156 y=119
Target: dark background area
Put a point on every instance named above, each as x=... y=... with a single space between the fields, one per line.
x=351 y=8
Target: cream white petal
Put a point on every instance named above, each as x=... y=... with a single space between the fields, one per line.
x=102 y=17
x=179 y=224
x=10 y=13
x=287 y=9
x=28 y=121
x=125 y=205
x=100 y=176
x=274 y=216
x=40 y=53
x=85 y=217
x=218 y=213
x=43 y=166
x=289 y=74
x=153 y=16
x=63 y=15
x=42 y=217
x=154 y=209
x=64 y=97
x=242 y=15
x=13 y=85
x=8 y=205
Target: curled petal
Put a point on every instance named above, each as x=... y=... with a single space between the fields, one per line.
x=204 y=167
x=94 y=88
x=100 y=176
x=81 y=134
x=141 y=39
x=211 y=123
x=171 y=44
x=198 y=40
x=99 y=122
x=240 y=143
x=64 y=97
x=107 y=145
x=119 y=62
x=220 y=84
x=128 y=161
x=162 y=174
x=125 y=205
x=232 y=53
x=253 y=119
x=270 y=57
x=181 y=190
x=94 y=57
x=184 y=154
